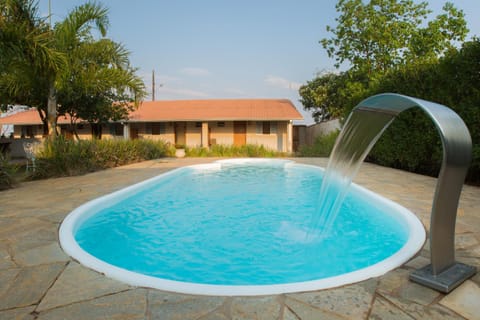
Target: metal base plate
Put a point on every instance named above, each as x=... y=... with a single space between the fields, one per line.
x=445 y=281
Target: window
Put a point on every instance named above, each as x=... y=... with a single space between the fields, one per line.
x=198 y=124
x=265 y=127
x=221 y=124
x=118 y=129
x=28 y=131
x=155 y=128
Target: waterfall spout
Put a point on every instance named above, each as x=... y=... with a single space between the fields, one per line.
x=363 y=128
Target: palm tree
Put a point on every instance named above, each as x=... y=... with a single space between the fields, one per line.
x=36 y=55
x=69 y=34
x=26 y=53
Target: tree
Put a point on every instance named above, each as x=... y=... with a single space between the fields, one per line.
x=412 y=141
x=99 y=85
x=323 y=96
x=36 y=55
x=380 y=34
x=26 y=55
x=375 y=38
x=69 y=34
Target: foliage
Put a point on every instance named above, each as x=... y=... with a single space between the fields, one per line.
x=380 y=34
x=62 y=157
x=219 y=150
x=99 y=84
x=321 y=96
x=25 y=55
x=412 y=142
x=7 y=173
x=377 y=37
x=64 y=65
x=330 y=94
x=322 y=146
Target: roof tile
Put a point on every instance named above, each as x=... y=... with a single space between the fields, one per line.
x=192 y=110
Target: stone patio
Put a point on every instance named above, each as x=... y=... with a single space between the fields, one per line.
x=39 y=281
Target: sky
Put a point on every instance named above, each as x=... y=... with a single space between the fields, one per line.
x=215 y=49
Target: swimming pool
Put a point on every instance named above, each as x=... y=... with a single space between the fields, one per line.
x=238 y=227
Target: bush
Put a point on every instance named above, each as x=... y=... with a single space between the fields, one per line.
x=220 y=150
x=62 y=157
x=321 y=147
x=412 y=141
x=7 y=173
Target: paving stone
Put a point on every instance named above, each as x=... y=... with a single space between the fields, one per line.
x=193 y=307
x=417 y=311
x=257 y=308
x=48 y=253
x=30 y=285
x=464 y=300
x=476 y=278
x=393 y=281
x=352 y=301
x=307 y=312
x=417 y=262
x=159 y=297
x=129 y=305
x=384 y=310
x=417 y=293
x=214 y=316
x=7 y=278
x=6 y=261
x=12 y=227
x=18 y=314
x=289 y=315
x=29 y=219
x=77 y=283
x=463 y=241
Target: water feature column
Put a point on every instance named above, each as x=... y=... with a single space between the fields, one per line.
x=364 y=126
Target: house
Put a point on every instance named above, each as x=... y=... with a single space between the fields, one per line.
x=192 y=123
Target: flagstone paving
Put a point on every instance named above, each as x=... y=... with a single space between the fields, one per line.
x=39 y=281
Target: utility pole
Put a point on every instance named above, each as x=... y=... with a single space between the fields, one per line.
x=153 y=85
x=50 y=12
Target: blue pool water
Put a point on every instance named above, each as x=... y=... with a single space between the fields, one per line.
x=239 y=223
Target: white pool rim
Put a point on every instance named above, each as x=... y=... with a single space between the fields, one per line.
x=78 y=216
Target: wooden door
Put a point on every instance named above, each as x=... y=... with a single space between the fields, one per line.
x=133 y=133
x=180 y=132
x=239 y=133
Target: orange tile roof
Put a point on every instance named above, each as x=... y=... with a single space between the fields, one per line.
x=191 y=110
x=232 y=109
x=29 y=117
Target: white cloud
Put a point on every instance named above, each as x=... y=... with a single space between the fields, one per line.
x=195 y=72
x=283 y=83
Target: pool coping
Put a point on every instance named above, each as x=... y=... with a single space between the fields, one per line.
x=77 y=216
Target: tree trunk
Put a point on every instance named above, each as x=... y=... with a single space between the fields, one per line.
x=73 y=123
x=96 y=130
x=44 y=122
x=52 y=111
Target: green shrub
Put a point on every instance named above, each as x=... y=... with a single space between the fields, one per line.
x=7 y=173
x=62 y=157
x=321 y=147
x=220 y=150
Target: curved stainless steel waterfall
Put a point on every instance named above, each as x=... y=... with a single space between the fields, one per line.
x=443 y=274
